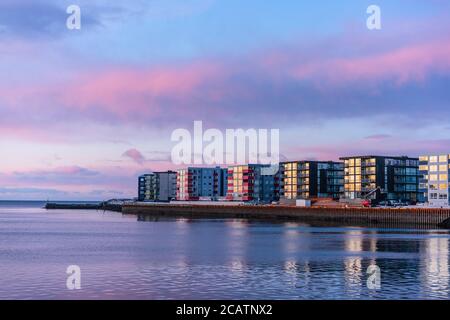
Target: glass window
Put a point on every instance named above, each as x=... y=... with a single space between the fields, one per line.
x=434 y=159
x=443 y=158
x=443 y=168
x=433 y=168
x=423 y=158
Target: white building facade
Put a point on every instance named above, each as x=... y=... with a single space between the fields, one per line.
x=434 y=184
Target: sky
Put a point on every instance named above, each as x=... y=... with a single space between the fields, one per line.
x=84 y=112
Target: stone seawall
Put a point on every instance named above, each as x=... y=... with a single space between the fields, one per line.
x=416 y=217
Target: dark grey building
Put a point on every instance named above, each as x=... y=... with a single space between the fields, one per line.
x=381 y=178
x=311 y=179
x=157 y=186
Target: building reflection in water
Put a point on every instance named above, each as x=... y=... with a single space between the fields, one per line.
x=353 y=273
x=356 y=244
x=237 y=245
x=296 y=243
x=435 y=265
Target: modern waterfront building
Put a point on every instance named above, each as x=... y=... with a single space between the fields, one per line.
x=201 y=183
x=252 y=182
x=381 y=178
x=434 y=181
x=157 y=186
x=146 y=192
x=311 y=179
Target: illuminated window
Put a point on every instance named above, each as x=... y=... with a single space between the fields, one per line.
x=433 y=168
x=443 y=177
x=443 y=186
x=434 y=159
x=423 y=168
x=443 y=158
x=433 y=177
x=443 y=168
x=423 y=158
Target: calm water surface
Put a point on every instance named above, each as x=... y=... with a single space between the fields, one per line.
x=123 y=258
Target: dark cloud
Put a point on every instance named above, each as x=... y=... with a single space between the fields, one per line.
x=73 y=174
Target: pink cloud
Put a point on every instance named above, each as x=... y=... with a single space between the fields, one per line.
x=134 y=155
x=123 y=91
x=241 y=92
x=411 y=63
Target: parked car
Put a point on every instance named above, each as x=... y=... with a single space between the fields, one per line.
x=384 y=204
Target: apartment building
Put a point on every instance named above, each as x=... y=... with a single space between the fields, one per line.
x=311 y=179
x=194 y=184
x=434 y=180
x=381 y=178
x=253 y=182
x=157 y=186
x=146 y=191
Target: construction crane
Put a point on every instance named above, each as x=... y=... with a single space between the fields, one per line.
x=367 y=202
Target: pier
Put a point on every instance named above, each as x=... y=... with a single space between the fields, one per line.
x=105 y=206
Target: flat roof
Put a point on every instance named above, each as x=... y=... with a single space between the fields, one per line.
x=385 y=157
x=315 y=161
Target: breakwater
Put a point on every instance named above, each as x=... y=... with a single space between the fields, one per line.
x=389 y=217
x=84 y=206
